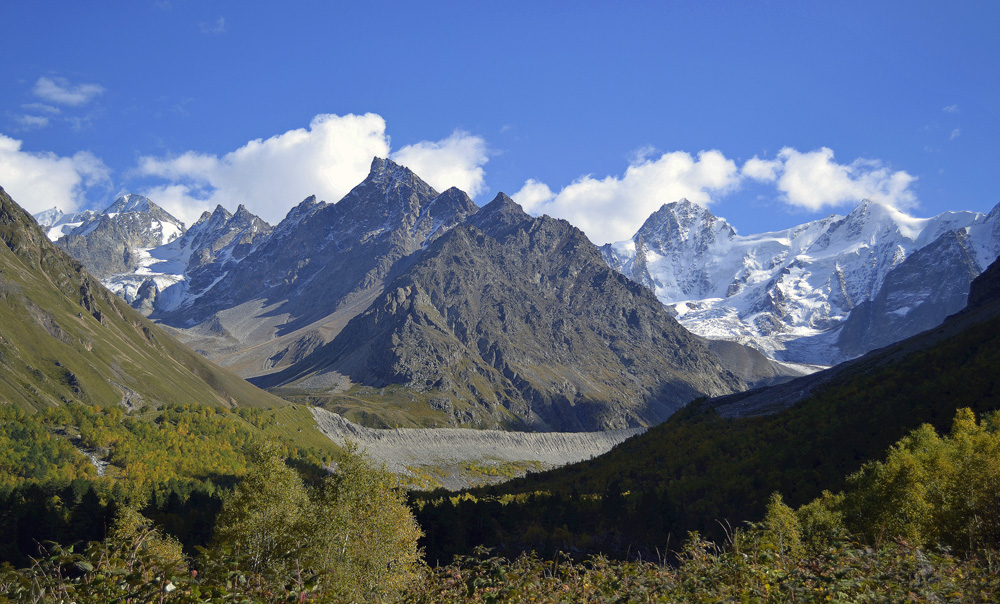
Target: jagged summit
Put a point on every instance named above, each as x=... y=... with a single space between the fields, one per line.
x=47 y=218
x=499 y=215
x=685 y=231
x=130 y=202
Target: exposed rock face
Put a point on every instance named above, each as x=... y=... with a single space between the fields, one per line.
x=519 y=322
x=318 y=268
x=788 y=293
x=108 y=243
x=493 y=317
x=348 y=247
x=985 y=289
x=920 y=293
x=983 y=306
x=184 y=269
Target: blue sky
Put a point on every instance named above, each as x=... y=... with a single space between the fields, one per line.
x=770 y=113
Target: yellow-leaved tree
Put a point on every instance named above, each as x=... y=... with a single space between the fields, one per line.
x=932 y=490
x=351 y=539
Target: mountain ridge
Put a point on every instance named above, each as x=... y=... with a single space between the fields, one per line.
x=789 y=293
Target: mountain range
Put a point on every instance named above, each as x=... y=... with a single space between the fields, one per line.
x=818 y=293
x=402 y=305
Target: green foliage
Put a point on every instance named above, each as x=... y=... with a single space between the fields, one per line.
x=822 y=522
x=351 y=539
x=264 y=519
x=135 y=564
x=28 y=451
x=710 y=573
x=781 y=530
x=365 y=535
x=932 y=490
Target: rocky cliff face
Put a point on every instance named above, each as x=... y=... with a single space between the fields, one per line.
x=488 y=317
x=516 y=321
x=114 y=241
x=319 y=267
x=920 y=293
x=174 y=274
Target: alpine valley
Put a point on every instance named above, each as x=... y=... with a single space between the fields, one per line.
x=399 y=305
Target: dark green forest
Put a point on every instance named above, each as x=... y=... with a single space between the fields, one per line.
x=701 y=472
x=920 y=523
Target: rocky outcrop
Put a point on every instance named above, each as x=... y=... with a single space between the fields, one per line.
x=109 y=243
x=919 y=294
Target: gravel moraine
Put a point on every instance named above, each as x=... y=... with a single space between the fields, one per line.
x=439 y=447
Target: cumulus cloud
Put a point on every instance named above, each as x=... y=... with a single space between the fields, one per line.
x=39 y=181
x=456 y=161
x=270 y=176
x=62 y=92
x=814 y=180
x=612 y=208
x=533 y=196
x=327 y=159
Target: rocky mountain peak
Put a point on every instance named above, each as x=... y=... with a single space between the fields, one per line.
x=304 y=209
x=499 y=215
x=387 y=174
x=49 y=217
x=870 y=218
x=391 y=195
x=130 y=202
x=682 y=221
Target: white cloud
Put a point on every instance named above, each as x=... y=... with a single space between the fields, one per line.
x=764 y=170
x=813 y=180
x=452 y=162
x=950 y=109
x=218 y=27
x=33 y=121
x=955 y=134
x=39 y=181
x=327 y=160
x=533 y=196
x=61 y=91
x=41 y=108
x=612 y=208
x=270 y=176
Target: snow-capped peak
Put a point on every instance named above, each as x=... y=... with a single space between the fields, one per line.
x=771 y=289
x=49 y=217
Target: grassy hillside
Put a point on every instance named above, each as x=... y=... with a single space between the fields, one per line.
x=64 y=337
